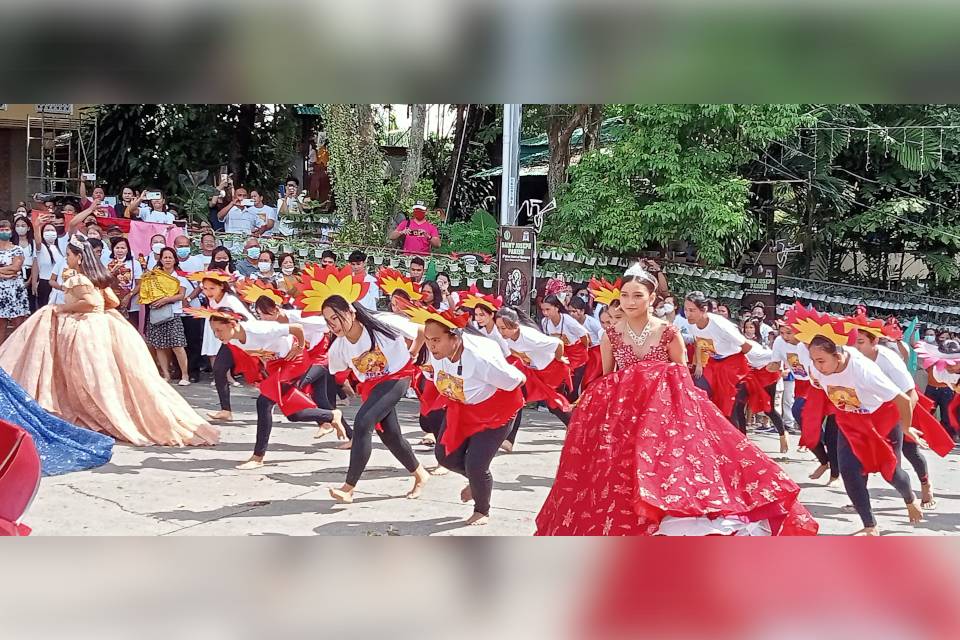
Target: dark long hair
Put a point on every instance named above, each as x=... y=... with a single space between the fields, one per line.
x=230 y=264
x=15 y=239
x=266 y=304
x=173 y=252
x=89 y=265
x=554 y=301
x=121 y=240
x=341 y=307
x=580 y=304
x=435 y=289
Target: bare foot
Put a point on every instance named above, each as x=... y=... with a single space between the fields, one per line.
x=420 y=477
x=466 y=495
x=346 y=445
x=221 y=415
x=832 y=481
x=337 y=423
x=822 y=469
x=440 y=471
x=428 y=440
x=914 y=513
x=506 y=446
x=323 y=430
x=343 y=495
x=867 y=531
x=477 y=520
x=784 y=445
x=927 y=501
x=253 y=463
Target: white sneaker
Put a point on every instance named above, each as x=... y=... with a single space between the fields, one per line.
x=411 y=394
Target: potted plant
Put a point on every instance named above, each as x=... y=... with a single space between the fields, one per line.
x=454 y=282
x=485 y=268
x=378 y=259
x=488 y=283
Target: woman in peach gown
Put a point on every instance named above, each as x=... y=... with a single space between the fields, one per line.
x=82 y=361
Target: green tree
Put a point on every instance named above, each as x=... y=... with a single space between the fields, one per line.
x=672 y=176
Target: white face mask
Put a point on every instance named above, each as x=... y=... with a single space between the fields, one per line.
x=928 y=339
x=49 y=236
x=157 y=247
x=287 y=271
x=667 y=308
x=265 y=266
x=23 y=230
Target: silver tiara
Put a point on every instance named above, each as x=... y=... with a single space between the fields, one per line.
x=637 y=271
x=77 y=240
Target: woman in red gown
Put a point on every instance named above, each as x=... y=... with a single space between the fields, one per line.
x=647 y=453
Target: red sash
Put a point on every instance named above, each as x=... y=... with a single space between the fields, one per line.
x=724 y=375
x=576 y=354
x=756 y=382
x=272 y=378
x=594 y=368
x=952 y=410
x=930 y=428
x=801 y=388
x=543 y=384
x=465 y=420
x=866 y=432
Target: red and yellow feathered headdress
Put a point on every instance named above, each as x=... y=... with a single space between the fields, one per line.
x=390 y=280
x=317 y=283
x=212 y=274
x=604 y=292
x=475 y=298
x=420 y=314
x=808 y=324
x=207 y=313
x=861 y=322
x=251 y=290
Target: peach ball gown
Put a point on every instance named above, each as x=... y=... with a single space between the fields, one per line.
x=93 y=369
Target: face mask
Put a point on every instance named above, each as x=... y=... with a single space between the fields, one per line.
x=218 y=265
x=287 y=271
x=265 y=266
x=667 y=308
x=23 y=230
x=928 y=339
x=49 y=236
x=253 y=253
x=157 y=247
x=6 y=235
x=419 y=214
x=183 y=252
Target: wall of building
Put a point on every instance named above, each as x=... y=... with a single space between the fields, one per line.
x=13 y=150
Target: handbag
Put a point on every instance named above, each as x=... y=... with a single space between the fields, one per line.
x=161 y=315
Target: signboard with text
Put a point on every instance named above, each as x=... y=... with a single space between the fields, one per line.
x=760 y=285
x=62 y=109
x=516 y=257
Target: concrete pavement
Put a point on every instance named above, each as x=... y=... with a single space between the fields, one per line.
x=197 y=491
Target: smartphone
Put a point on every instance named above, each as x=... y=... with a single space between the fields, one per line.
x=152 y=195
x=246 y=202
x=224 y=177
x=88 y=177
x=110 y=201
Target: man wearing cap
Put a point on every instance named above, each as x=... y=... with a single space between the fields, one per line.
x=419 y=236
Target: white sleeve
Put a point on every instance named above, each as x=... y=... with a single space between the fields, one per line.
x=898 y=373
x=573 y=327
x=728 y=328
x=406 y=328
x=335 y=360
x=494 y=369
x=875 y=380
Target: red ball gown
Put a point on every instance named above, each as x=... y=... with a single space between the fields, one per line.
x=647 y=453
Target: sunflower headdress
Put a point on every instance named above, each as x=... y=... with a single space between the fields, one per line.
x=252 y=290
x=808 y=324
x=390 y=280
x=474 y=298
x=604 y=292
x=211 y=274
x=317 y=283
x=420 y=314
x=207 y=313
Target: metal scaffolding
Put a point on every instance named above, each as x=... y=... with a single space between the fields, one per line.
x=60 y=147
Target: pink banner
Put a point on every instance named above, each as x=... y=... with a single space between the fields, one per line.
x=141 y=232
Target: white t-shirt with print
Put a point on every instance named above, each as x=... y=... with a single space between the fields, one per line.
x=496 y=337
x=480 y=372
x=719 y=339
x=369 y=301
x=759 y=356
x=265 y=338
x=895 y=368
x=314 y=327
x=534 y=347
x=368 y=361
x=861 y=387
x=264 y=213
x=790 y=356
x=569 y=330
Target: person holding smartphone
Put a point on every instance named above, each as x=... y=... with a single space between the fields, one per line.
x=237 y=216
x=419 y=235
x=102 y=210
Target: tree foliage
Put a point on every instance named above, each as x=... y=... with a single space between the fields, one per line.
x=672 y=176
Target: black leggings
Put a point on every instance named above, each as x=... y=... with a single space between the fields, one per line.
x=193 y=329
x=472 y=460
x=826 y=449
x=380 y=407
x=221 y=367
x=911 y=451
x=573 y=394
x=740 y=410
x=43 y=292
x=324 y=391
x=265 y=421
x=855 y=482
